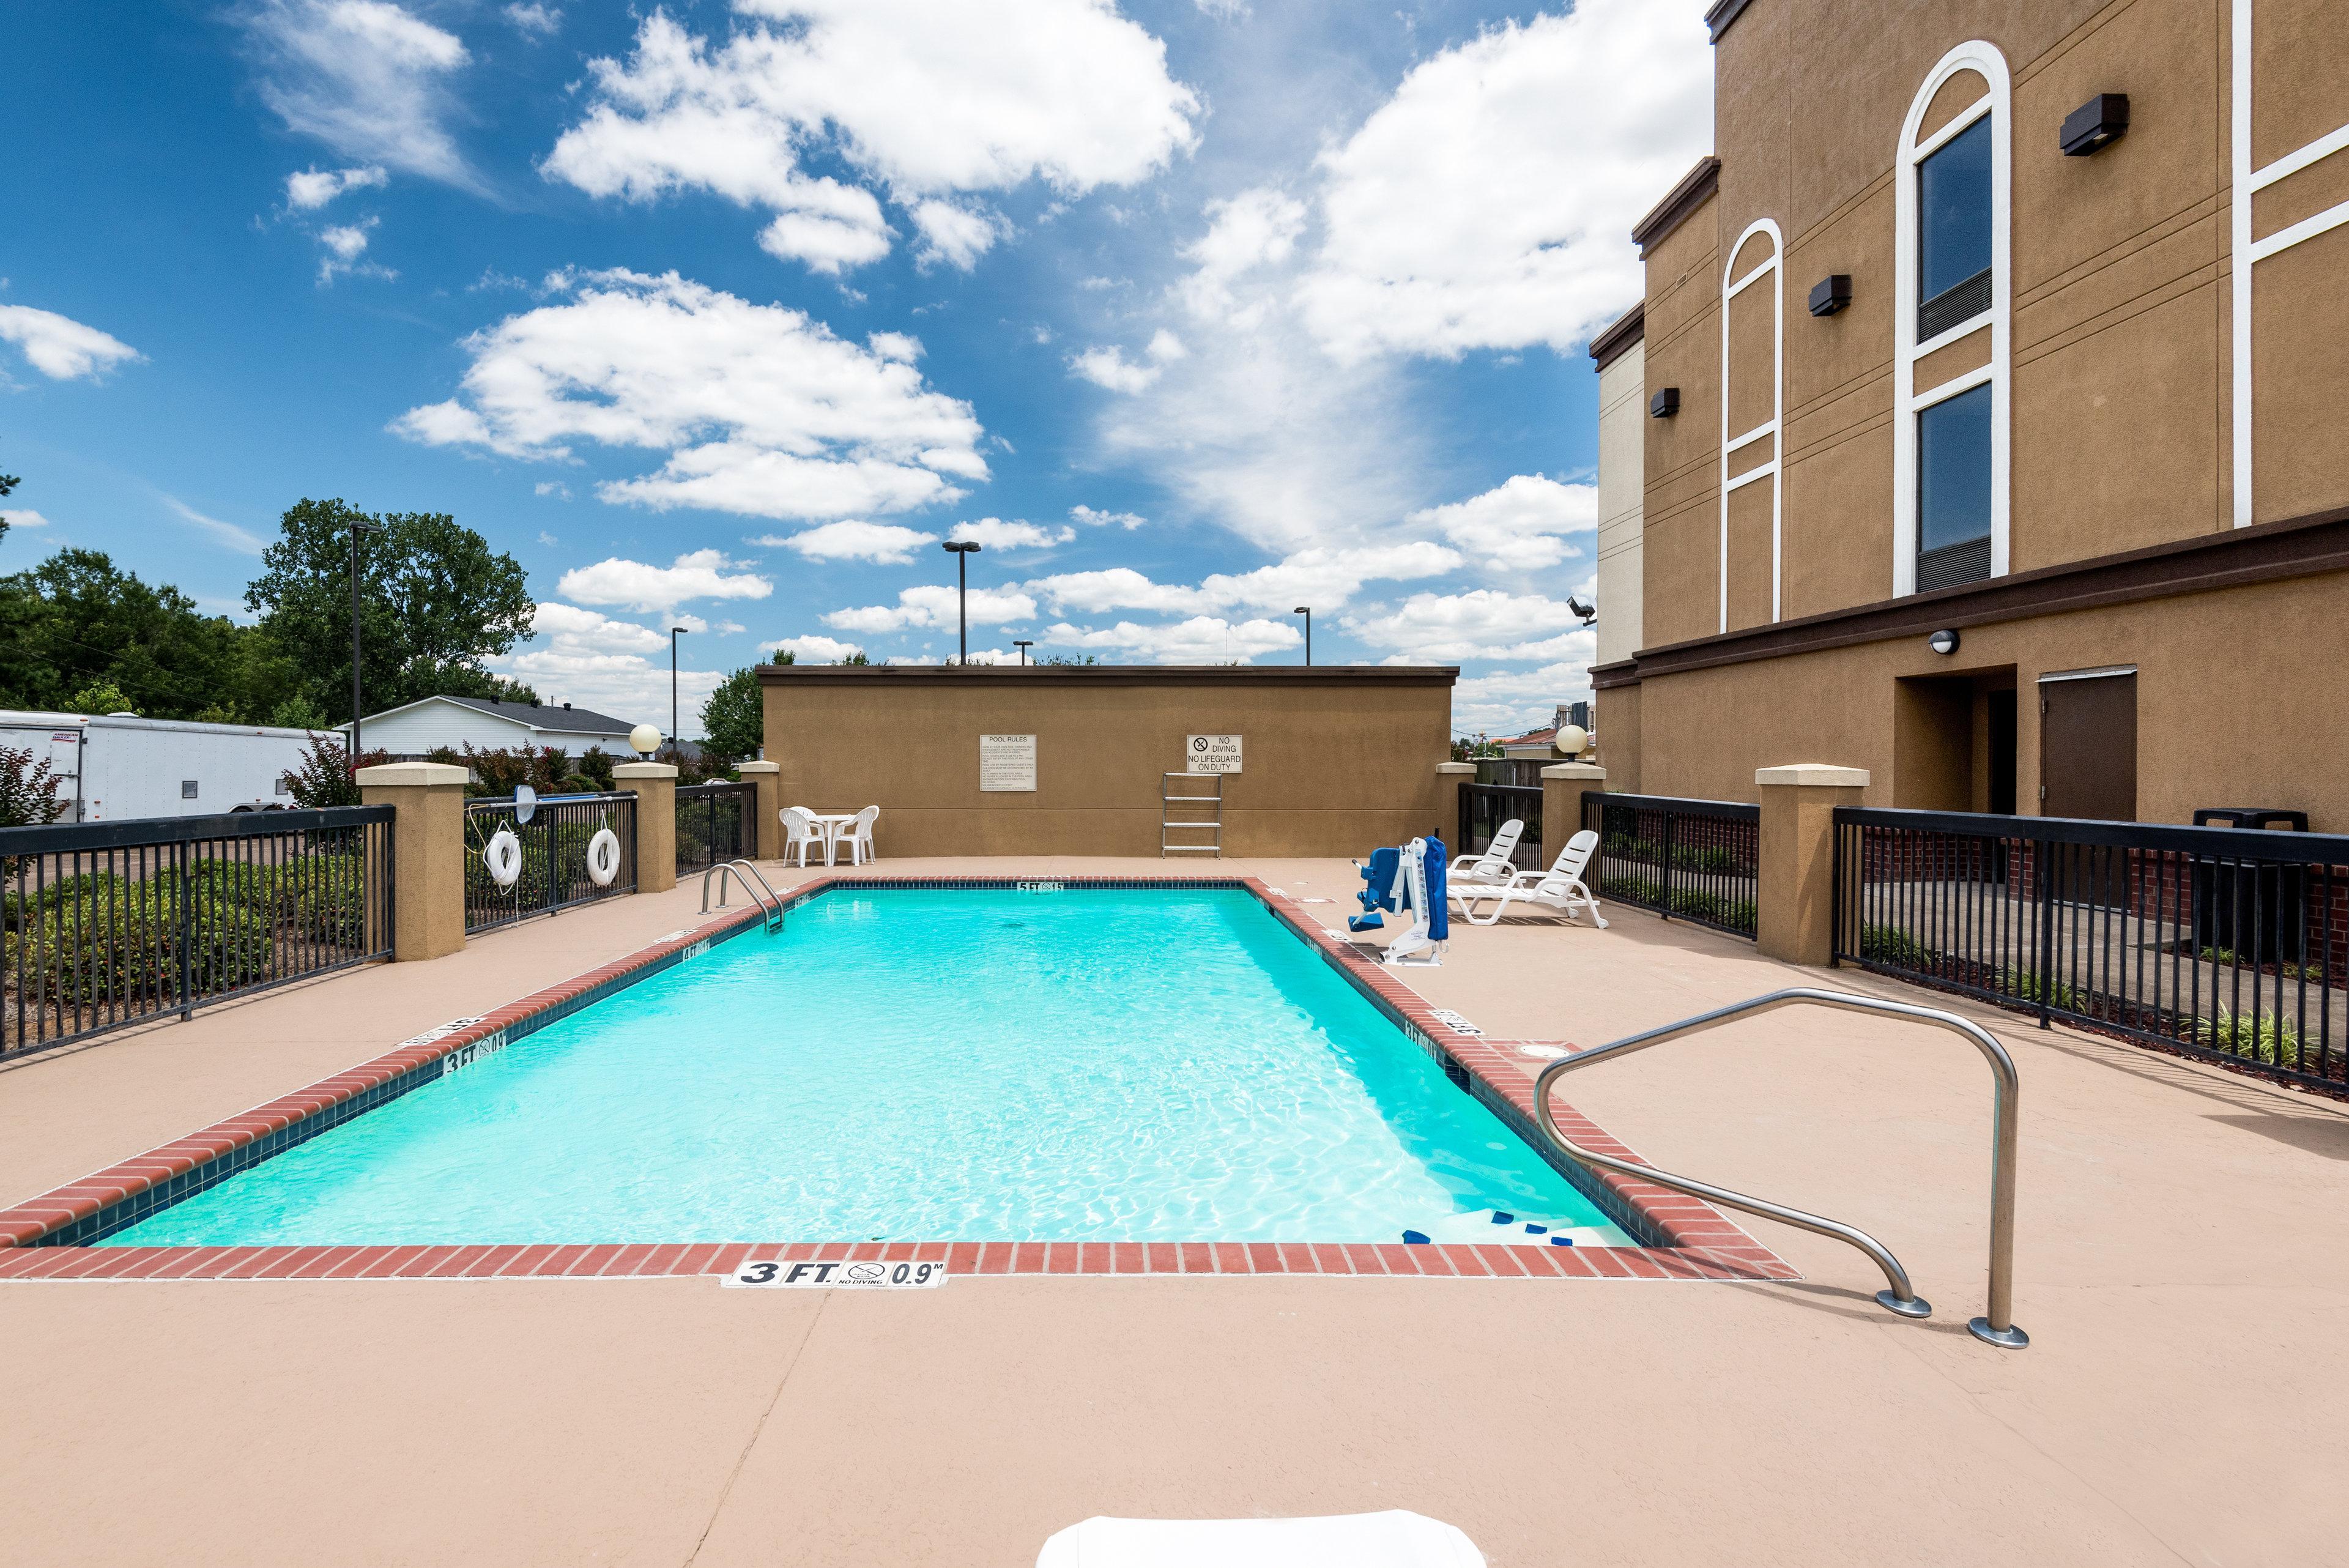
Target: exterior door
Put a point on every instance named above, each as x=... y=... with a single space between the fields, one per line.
x=2087 y=768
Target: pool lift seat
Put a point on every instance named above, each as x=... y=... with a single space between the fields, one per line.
x=754 y=883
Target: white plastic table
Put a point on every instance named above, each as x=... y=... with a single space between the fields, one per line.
x=833 y=825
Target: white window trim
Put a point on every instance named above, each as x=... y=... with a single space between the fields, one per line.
x=1772 y=427
x=1907 y=401
x=2248 y=183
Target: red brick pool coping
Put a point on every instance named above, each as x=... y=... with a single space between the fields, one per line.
x=1683 y=1238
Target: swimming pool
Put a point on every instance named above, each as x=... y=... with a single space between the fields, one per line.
x=953 y=1064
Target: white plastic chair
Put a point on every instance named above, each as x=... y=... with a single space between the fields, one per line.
x=858 y=835
x=801 y=834
x=1559 y=888
x=1493 y=866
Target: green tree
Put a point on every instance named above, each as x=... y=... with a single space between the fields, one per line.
x=8 y=481
x=435 y=602
x=77 y=620
x=297 y=712
x=100 y=696
x=734 y=720
x=859 y=657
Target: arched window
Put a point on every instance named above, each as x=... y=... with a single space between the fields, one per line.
x=1951 y=387
x=1752 y=395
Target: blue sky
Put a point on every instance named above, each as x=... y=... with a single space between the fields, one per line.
x=725 y=315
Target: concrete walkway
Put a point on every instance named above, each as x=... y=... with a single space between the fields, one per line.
x=2181 y=1273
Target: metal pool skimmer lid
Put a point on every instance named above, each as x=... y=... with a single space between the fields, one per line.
x=754 y=884
x=1996 y=1325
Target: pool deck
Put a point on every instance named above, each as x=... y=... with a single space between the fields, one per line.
x=2180 y=1269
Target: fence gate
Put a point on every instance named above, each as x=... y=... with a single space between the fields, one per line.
x=1483 y=807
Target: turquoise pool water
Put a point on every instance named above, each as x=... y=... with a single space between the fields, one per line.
x=926 y=1065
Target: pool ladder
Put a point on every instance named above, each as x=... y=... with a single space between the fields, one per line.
x=1996 y=1325
x=1167 y=823
x=752 y=883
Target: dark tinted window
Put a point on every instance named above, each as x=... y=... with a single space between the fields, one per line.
x=1953 y=211
x=1953 y=471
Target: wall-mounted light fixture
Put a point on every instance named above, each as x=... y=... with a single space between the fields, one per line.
x=1943 y=643
x=1831 y=294
x=2095 y=124
x=1664 y=404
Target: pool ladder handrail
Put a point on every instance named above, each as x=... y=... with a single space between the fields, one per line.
x=754 y=883
x=1996 y=1325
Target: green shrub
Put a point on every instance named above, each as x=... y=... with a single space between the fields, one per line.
x=1632 y=890
x=2025 y=985
x=107 y=950
x=2255 y=1036
x=1892 y=946
x=1737 y=914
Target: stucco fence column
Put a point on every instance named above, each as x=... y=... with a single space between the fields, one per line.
x=428 y=854
x=654 y=787
x=766 y=842
x=1562 y=788
x=1794 y=875
x=1448 y=777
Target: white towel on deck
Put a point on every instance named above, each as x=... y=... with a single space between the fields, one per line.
x=1396 y=1539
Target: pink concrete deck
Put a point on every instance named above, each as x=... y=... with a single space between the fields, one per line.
x=2179 y=1272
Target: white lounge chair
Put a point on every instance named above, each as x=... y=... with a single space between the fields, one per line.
x=801 y=834
x=1493 y=866
x=1559 y=888
x=858 y=835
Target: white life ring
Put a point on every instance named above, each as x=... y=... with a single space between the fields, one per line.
x=604 y=856
x=502 y=855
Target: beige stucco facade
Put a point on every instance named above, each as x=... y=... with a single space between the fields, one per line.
x=1334 y=761
x=1780 y=616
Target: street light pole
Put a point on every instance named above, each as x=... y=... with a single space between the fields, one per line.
x=674 y=633
x=963 y=550
x=1023 y=644
x=357 y=529
x=1307 y=611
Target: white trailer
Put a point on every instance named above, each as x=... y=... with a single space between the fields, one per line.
x=115 y=766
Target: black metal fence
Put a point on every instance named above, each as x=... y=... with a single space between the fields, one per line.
x=715 y=823
x=554 y=872
x=112 y=923
x=2217 y=942
x=1692 y=861
x=1485 y=807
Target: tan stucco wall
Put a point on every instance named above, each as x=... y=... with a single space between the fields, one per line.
x=1336 y=761
x=1622 y=414
x=2233 y=704
x=2121 y=395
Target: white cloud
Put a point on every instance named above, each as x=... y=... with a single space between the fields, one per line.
x=930 y=104
x=934 y=606
x=1109 y=367
x=994 y=534
x=814 y=650
x=762 y=411
x=1483 y=623
x=1489 y=202
x=1225 y=10
x=1254 y=229
x=366 y=77
x=310 y=189
x=243 y=541
x=346 y=244
x=538 y=20
x=60 y=347
x=1202 y=639
x=700 y=574
x=553 y=487
x=1515 y=527
x=1514 y=701
x=617 y=667
x=1091 y=518
x=849 y=540
x=901 y=346
x=24 y=518
x=1325 y=577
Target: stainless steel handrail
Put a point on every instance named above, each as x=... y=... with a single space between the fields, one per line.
x=749 y=874
x=1996 y=1325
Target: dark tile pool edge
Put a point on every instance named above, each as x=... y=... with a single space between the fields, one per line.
x=1681 y=1237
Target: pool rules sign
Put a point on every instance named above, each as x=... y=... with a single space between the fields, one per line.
x=1006 y=764
x=1211 y=753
